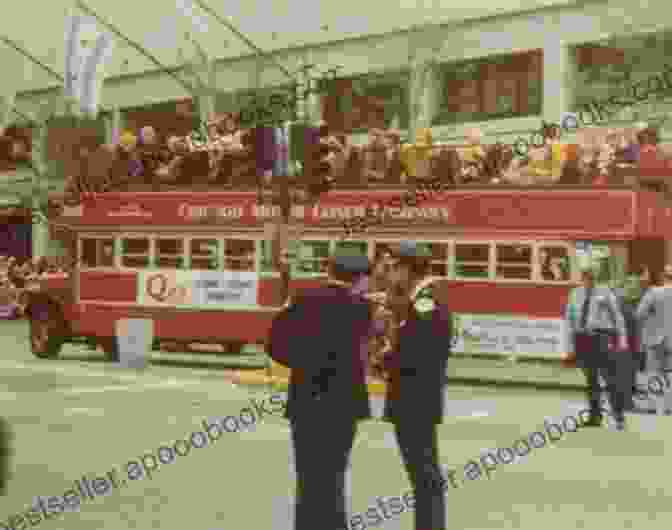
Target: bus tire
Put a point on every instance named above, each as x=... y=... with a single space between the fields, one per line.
x=110 y=348
x=46 y=338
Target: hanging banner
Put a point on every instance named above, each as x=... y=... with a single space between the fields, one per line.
x=87 y=50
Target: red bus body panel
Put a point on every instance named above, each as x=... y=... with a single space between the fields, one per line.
x=606 y=214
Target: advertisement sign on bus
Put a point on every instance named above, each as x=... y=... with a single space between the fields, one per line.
x=510 y=335
x=198 y=289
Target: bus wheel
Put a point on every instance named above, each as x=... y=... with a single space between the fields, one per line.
x=46 y=341
x=110 y=348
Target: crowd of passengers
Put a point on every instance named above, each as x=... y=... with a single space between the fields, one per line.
x=17 y=274
x=228 y=157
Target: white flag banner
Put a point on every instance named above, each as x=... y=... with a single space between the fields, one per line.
x=93 y=73
x=87 y=49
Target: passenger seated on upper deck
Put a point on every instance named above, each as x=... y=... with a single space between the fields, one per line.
x=149 y=150
x=497 y=160
x=127 y=165
x=540 y=168
x=416 y=156
x=341 y=159
x=170 y=169
x=446 y=166
x=474 y=151
x=375 y=157
x=395 y=169
x=650 y=156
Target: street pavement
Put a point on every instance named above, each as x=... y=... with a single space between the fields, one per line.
x=78 y=417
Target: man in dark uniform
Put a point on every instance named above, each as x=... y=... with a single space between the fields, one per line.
x=322 y=336
x=416 y=375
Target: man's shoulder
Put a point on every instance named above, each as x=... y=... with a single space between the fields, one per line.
x=332 y=295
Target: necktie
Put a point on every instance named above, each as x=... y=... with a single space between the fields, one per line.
x=584 y=309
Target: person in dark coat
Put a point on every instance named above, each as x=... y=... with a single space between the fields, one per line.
x=416 y=375
x=322 y=336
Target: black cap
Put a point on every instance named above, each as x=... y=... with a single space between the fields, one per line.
x=351 y=263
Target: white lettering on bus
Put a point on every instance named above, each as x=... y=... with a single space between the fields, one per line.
x=269 y=212
x=198 y=212
x=338 y=212
x=413 y=212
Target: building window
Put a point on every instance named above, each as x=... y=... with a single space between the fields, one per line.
x=472 y=260
x=135 y=252
x=170 y=253
x=97 y=252
x=498 y=87
x=203 y=254
x=513 y=262
x=554 y=264
x=239 y=254
x=313 y=257
x=375 y=100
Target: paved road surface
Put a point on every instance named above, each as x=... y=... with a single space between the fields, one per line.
x=82 y=417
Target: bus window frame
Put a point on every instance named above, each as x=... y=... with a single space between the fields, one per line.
x=222 y=251
x=155 y=254
x=449 y=243
x=490 y=263
x=508 y=242
x=574 y=275
x=97 y=236
x=317 y=239
x=135 y=235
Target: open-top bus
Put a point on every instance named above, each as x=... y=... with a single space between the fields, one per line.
x=199 y=264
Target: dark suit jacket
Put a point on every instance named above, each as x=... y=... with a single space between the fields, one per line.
x=418 y=368
x=320 y=336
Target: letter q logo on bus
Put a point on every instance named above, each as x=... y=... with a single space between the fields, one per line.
x=157 y=287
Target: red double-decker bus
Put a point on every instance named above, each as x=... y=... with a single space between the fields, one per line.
x=199 y=264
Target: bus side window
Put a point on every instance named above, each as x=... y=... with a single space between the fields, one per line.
x=89 y=253
x=239 y=255
x=204 y=254
x=472 y=260
x=106 y=252
x=313 y=257
x=135 y=252
x=514 y=262
x=97 y=252
x=438 y=265
x=169 y=253
x=355 y=247
x=554 y=264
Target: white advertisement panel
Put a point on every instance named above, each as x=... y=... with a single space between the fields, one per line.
x=198 y=289
x=510 y=335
